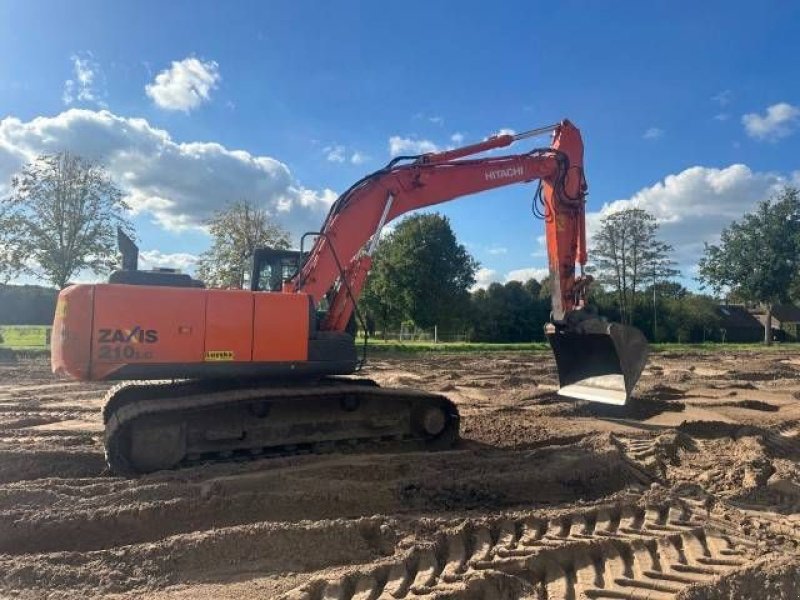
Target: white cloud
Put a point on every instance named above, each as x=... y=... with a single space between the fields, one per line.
x=653 y=133
x=84 y=86
x=152 y=259
x=334 y=153
x=404 y=145
x=185 y=85
x=411 y=145
x=82 y=277
x=722 y=117
x=693 y=206
x=337 y=153
x=179 y=184
x=435 y=119
x=388 y=230
x=359 y=158
x=496 y=250
x=484 y=278
x=779 y=121
x=505 y=131
x=523 y=275
x=723 y=98
x=541 y=247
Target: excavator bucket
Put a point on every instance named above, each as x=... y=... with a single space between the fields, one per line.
x=598 y=360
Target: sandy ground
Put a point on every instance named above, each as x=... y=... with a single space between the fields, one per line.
x=693 y=492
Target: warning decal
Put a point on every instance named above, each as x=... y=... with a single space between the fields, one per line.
x=212 y=355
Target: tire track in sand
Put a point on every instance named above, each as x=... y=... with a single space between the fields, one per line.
x=608 y=552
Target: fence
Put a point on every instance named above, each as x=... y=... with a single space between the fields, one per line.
x=418 y=334
x=26 y=337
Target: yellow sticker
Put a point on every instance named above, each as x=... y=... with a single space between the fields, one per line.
x=212 y=355
x=61 y=308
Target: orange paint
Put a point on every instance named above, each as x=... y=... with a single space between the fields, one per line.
x=565 y=227
x=229 y=325
x=70 y=343
x=147 y=324
x=100 y=328
x=280 y=327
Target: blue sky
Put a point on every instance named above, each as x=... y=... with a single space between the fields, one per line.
x=689 y=110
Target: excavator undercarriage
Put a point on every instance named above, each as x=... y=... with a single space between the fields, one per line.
x=161 y=425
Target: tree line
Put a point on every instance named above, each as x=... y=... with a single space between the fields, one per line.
x=403 y=289
x=27 y=305
x=60 y=217
x=423 y=276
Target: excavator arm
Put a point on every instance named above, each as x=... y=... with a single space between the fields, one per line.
x=342 y=255
x=596 y=360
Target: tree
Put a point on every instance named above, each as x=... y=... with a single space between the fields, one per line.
x=533 y=288
x=237 y=230
x=513 y=312
x=690 y=318
x=759 y=256
x=61 y=218
x=421 y=273
x=627 y=254
x=668 y=289
x=544 y=288
x=603 y=300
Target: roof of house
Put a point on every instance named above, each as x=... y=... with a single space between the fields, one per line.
x=786 y=313
x=737 y=316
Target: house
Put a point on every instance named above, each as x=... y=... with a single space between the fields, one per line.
x=737 y=324
x=785 y=322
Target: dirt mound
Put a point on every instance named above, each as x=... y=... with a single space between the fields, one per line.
x=769 y=579
x=226 y=551
x=748 y=404
x=21 y=465
x=57 y=515
x=693 y=491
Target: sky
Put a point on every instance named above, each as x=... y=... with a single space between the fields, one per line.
x=688 y=110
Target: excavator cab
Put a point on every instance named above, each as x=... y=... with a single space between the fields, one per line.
x=271 y=267
x=597 y=360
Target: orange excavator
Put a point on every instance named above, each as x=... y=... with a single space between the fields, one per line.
x=224 y=373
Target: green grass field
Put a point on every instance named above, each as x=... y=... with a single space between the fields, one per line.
x=24 y=337
x=378 y=346
x=37 y=337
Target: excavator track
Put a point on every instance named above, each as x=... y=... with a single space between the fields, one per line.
x=152 y=426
